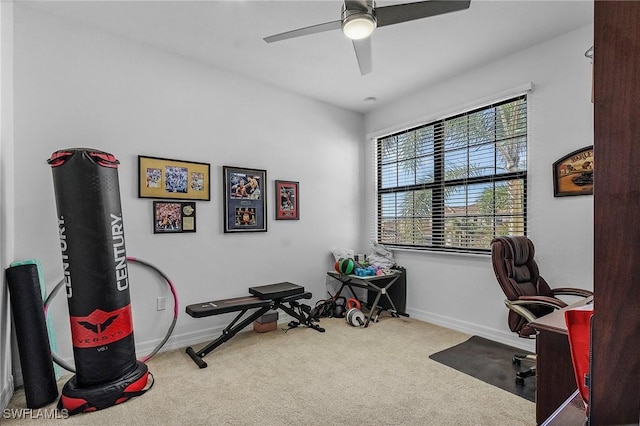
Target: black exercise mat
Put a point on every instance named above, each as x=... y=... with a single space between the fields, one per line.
x=490 y=362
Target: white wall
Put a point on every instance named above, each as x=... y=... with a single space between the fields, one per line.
x=78 y=88
x=461 y=291
x=6 y=190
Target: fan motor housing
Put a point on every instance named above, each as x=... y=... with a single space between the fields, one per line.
x=358 y=23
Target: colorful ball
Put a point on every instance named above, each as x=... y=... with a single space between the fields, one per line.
x=347 y=266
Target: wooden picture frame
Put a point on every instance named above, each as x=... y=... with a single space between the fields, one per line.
x=245 y=199
x=171 y=217
x=165 y=178
x=573 y=173
x=287 y=196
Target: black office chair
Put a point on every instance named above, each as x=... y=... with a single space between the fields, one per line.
x=528 y=296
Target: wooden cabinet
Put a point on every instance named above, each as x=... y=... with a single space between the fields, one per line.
x=615 y=371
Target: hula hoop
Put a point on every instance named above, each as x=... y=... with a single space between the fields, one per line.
x=53 y=293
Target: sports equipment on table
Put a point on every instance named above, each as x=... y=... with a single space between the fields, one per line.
x=346 y=266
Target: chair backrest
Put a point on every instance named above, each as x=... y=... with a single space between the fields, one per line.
x=517 y=273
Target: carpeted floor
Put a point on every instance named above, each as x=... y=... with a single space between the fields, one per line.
x=380 y=375
x=490 y=362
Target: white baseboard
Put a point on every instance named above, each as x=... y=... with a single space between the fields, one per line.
x=499 y=336
x=197 y=337
x=179 y=341
x=6 y=393
x=174 y=342
x=206 y=335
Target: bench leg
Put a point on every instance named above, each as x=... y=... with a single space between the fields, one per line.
x=230 y=331
x=301 y=316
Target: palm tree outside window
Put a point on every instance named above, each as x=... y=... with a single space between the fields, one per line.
x=455 y=183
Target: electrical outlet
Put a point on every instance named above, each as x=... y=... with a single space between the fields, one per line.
x=161 y=303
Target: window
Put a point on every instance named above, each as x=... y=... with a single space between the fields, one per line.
x=456 y=183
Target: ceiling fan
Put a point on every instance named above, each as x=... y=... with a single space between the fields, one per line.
x=360 y=18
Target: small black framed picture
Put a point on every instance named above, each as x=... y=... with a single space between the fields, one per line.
x=171 y=217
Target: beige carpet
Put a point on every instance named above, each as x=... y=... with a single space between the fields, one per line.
x=381 y=375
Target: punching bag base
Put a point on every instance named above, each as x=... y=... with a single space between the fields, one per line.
x=77 y=399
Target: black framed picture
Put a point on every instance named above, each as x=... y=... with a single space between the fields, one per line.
x=170 y=217
x=287 y=196
x=245 y=198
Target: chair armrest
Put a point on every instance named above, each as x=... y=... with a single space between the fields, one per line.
x=519 y=306
x=541 y=300
x=520 y=310
x=572 y=291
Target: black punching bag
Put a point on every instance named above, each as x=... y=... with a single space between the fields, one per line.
x=39 y=378
x=96 y=279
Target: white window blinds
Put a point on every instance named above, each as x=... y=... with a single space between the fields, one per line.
x=456 y=183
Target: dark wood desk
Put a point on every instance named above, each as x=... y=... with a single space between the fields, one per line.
x=555 y=380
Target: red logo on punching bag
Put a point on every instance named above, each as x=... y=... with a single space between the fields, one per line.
x=101 y=328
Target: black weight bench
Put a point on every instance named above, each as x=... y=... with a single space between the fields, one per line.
x=265 y=298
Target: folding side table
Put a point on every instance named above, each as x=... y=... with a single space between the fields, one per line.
x=379 y=284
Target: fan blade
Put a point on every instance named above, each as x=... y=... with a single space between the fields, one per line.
x=395 y=14
x=363 y=53
x=327 y=26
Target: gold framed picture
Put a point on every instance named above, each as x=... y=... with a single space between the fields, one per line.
x=173 y=179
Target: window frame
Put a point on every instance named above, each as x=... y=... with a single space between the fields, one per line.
x=439 y=183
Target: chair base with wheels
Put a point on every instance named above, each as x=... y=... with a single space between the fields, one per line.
x=529 y=372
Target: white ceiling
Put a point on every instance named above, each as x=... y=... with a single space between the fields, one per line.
x=406 y=57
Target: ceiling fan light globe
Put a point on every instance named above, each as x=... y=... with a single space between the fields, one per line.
x=358 y=25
